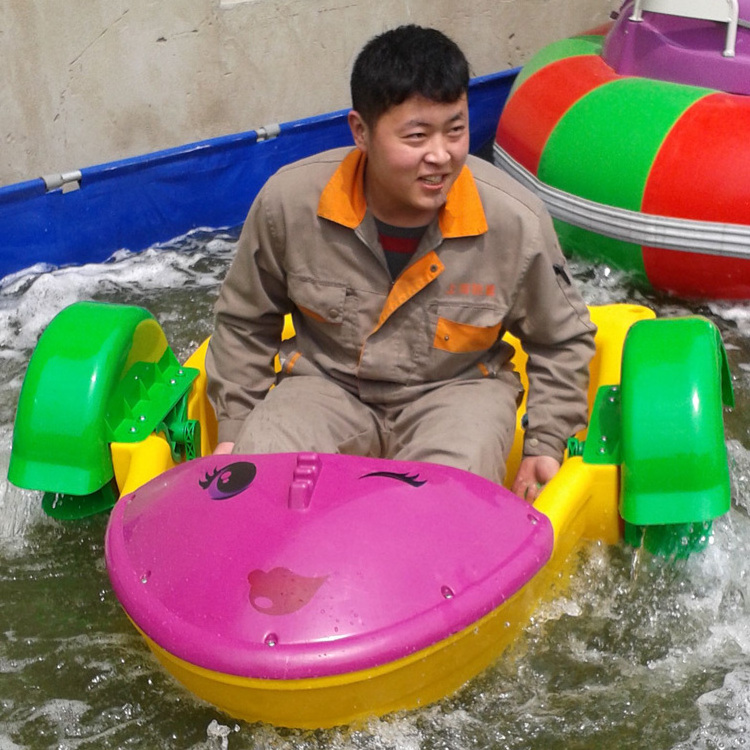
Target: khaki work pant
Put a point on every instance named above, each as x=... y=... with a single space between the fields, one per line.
x=468 y=424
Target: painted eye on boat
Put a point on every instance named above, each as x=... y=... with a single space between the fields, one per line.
x=229 y=480
x=410 y=479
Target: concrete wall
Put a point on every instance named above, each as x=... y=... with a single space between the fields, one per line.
x=90 y=81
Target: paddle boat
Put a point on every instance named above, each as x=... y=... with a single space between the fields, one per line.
x=311 y=590
x=638 y=140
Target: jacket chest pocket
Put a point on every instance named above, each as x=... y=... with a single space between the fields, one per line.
x=466 y=328
x=321 y=301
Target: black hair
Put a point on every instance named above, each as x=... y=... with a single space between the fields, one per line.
x=403 y=62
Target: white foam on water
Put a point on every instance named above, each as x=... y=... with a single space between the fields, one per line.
x=29 y=304
x=65 y=716
x=601 y=285
x=739 y=314
x=218 y=735
x=18 y=508
x=400 y=732
x=7 y=744
x=725 y=716
x=739 y=462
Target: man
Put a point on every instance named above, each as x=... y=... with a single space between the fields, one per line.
x=402 y=262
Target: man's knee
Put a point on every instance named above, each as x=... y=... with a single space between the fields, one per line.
x=468 y=426
x=308 y=414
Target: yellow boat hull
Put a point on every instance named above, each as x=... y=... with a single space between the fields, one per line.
x=581 y=502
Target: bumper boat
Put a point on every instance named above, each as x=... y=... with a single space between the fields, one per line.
x=310 y=590
x=638 y=140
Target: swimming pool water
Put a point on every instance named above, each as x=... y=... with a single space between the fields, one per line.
x=636 y=653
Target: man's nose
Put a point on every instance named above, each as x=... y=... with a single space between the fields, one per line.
x=438 y=152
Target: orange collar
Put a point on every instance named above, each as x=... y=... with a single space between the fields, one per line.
x=343 y=200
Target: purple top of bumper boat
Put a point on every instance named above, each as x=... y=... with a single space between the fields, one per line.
x=679 y=48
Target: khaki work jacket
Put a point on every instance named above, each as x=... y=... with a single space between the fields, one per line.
x=489 y=263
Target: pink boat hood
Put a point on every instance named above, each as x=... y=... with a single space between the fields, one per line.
x=304 y=565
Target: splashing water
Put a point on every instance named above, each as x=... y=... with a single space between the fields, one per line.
x=637 y=653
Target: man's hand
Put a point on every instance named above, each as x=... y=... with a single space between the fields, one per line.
x=222 y=449
x=533 y=473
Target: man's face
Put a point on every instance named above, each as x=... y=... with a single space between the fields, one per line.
x=415 y=151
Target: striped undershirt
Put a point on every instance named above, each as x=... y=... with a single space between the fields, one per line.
x=399 y=244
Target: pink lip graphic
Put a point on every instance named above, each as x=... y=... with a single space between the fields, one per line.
x=280 y=591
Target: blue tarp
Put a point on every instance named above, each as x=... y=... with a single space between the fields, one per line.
x=138 y=202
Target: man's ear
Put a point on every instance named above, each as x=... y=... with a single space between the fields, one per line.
x=359 y=130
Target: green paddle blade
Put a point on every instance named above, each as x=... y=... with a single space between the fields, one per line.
x=674 y=541
x=72 y=507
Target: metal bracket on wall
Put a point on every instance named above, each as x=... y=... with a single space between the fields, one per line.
x=267 y=132
x=67 y=181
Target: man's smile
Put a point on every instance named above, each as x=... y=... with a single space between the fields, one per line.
x=433 y=180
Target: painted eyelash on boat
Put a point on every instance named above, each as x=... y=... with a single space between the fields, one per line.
x=412 y=480
x=205 y=483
